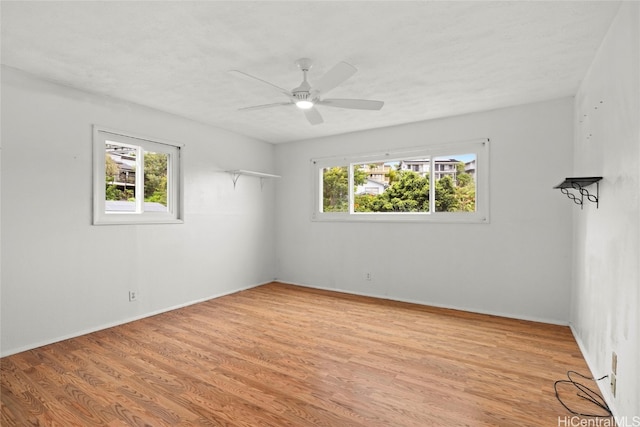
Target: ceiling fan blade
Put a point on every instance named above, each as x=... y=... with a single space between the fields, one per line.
x=282 y=90
x=313 y=116
x=263 y=106
x=356 y=104
x=332 y=78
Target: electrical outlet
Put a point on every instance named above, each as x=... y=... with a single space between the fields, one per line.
x=367 y=276
x=613 y=384
x=133 y=296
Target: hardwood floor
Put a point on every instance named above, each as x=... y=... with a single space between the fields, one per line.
x=280 y=355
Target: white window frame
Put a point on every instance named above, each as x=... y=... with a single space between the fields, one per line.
x=174 y=212
x=478 y=147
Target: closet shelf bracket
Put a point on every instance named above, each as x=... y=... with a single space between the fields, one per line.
x=576 y=189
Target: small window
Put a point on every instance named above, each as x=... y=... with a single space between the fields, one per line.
x=136 y=180
x=435 y=183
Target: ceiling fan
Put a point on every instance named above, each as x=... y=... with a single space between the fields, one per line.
x=306 y=97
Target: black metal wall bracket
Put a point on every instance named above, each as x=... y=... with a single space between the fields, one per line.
x=580 y=184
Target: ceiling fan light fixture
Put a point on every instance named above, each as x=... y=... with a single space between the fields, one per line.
x=304 y=104
x=302 y=96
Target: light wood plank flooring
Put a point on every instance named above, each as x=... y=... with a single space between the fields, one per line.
x=281 y=355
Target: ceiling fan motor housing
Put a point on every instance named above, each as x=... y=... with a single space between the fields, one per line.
x=302 y=95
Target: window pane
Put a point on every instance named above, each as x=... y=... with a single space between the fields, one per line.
x=368 y=183
x=455 y=182
x=400 y=186
x=155 y=181
x=335 y=189
x=120 y=178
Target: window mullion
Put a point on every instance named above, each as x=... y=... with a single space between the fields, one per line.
x=351 y=180
x=170 y=159
x=432 y=185
x=139 y=179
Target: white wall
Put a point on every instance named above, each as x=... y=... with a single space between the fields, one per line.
x=62 y=276
x=606 y=298
x=519 y=265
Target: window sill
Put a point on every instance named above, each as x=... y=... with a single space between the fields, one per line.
x=133 y=219
x=442 y=218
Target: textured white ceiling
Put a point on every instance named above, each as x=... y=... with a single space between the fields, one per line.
x=425 y=59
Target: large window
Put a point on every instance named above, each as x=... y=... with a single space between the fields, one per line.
x=446 y=183
x=136 y=180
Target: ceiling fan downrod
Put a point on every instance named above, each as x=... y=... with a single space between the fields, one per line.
x=302 y=93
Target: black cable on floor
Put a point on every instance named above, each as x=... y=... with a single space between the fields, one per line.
x=584 y=392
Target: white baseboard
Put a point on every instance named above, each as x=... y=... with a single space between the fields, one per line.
x=431 y=304
x=9 y=352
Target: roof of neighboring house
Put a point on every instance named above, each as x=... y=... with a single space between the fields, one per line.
x=376 y=182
